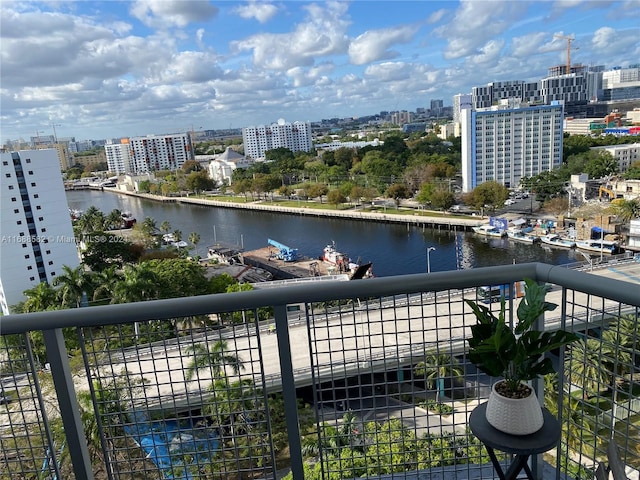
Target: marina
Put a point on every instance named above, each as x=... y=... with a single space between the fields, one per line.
x=393 y=248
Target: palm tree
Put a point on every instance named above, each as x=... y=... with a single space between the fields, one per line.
x=40 y=298
x=113 y=220
x=165 y=227
x=177 y=235
x=215 y=359
x=105 y=282
x=74 y=284
x=584 y=367
x=626 y=209
x=194 y=238
x=138 y=283
x=437 y=368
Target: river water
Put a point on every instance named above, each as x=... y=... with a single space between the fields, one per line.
x=393 y=249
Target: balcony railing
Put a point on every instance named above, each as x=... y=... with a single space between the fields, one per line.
x=328 y=380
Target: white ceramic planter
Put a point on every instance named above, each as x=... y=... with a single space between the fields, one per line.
x=516 y=416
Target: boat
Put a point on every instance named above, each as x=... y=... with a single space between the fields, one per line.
x=343 y=263
x=488 y=230
x=599 y=246
x=556 y=240
x=330 y=254
x=128 y=220
x=520 y=236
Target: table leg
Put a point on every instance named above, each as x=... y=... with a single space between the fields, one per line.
x=518 y=463
x=496 y=464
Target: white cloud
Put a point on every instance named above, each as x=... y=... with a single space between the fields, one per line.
x=261 y=11
x=375 y=45
x=322 y=34
x=179 y=13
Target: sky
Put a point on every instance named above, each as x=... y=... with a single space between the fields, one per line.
x=98 y=70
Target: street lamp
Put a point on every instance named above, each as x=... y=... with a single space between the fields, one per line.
x=589 y=259
x=429 y=250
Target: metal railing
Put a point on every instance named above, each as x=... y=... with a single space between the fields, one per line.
x=372 y=381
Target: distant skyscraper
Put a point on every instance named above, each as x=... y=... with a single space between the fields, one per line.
x=35 y=232
x=461 y=101
x=295 y=136
x=509 y=141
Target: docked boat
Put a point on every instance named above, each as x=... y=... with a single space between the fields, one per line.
x=331 y=255
x=599 y=246
x=488 y=230
x=128 y=220
x=520 y=236
x=556 y=240
x=343 y=263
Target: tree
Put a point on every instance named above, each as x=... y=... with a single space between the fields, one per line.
x=317 y=190
x=489 y=194
x=398 y=191
x=177 y=277
x=194 y=238
x=199 y=181
x=137 y=283
x=191 y=166
x=335 y=197
x=106 y=249
x=40 y=298
x=439 y=369
x=600 y=164
x=165 y=227
x=443 y=198
x=627 y=210
x=215 y=359
x=73 y=283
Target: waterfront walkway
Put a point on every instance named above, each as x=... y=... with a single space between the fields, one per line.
x=411 y=218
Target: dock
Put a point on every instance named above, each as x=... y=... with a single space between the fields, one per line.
x=266 y=258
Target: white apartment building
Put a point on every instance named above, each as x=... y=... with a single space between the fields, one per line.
x=118 y=156
x=295 y=136
x=222 y=166
x=139 y=155
x=36 y=233
x=624 y=154
x=510 y=141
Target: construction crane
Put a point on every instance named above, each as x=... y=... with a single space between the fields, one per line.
x=569 y=40
x=285 y=253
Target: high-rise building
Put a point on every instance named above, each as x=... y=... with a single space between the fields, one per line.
x=138 y=155
x=461 y=101
x=35 y=232
x=509 y=141
x=118 y=156
x=295 y=136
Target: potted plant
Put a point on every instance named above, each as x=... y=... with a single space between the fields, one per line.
x=517 y=355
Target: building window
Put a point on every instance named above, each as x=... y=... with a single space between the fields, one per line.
x=40 y=219
x=26 y=256
x=28 y=160
x=38 y=207
x=15 y=210
x=19 y=222
x=5 y=163
x=36 y=196
x=30 y=172
x=13 y=199
x=48 y=252
x=44 y=230
x=24 y=245
x=50 y=262
x=29 y=267
x=53 y=274
x=32 y=278
x=33 y=184
x=8 y=175
x=10 y=187
x=46 y=240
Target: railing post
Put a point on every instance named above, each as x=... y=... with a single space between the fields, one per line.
x=68 y=402
x=289 y=391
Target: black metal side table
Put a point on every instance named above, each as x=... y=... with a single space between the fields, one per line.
x=521 y=446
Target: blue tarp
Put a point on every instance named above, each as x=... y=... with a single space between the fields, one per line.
x=168 y=443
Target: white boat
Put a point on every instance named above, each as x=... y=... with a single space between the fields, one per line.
x=488 y=230
x=599 y=246
x=556 y=240
x=520 y=236
x=331 y=255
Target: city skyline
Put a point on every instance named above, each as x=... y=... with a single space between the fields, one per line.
x=118 y=69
